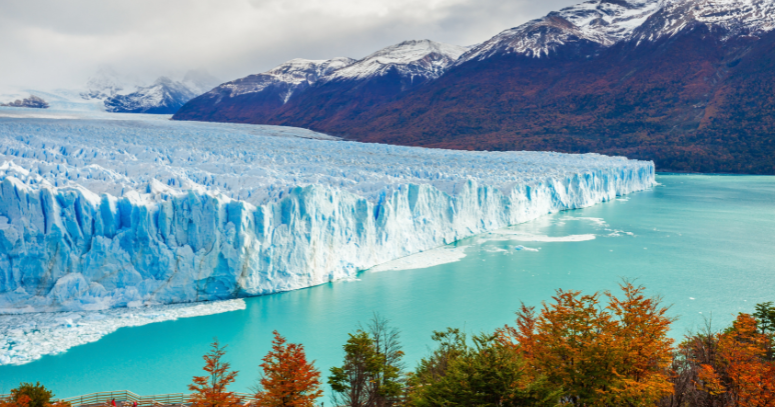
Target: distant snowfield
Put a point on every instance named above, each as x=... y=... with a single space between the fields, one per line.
x=105 y=210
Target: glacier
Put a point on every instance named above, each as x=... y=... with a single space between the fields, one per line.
x=107 y=211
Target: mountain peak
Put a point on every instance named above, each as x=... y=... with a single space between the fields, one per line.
x=414 y=58
x=602 y=22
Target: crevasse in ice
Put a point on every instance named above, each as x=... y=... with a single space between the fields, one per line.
x=96 y=213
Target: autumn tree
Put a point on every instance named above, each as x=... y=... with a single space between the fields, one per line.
x=21 y=401
x=613 y=355
x=210 y=390
x=39 y=395
x=32 y=395
x=288 y=379
x=742 y=370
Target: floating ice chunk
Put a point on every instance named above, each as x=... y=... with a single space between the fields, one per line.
x=423 y=260
x=530 y=237
x=527 y=249
x=24 y=338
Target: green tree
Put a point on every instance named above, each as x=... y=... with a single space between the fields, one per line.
x=388 y=383
x=352 y=382
x=489 y=373
x=451 y=344
x=765 y=317
x=765 y=321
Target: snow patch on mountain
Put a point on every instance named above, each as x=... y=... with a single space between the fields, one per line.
x=416 y=61
x=736 y=17
x=420 y=60
x=291 y=76
x=97 y=214
x=606 y=22
x=602 y=22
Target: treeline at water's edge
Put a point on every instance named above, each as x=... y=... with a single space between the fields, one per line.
x=601 y=349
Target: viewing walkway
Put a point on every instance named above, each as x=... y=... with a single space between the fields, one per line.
x=125 y=398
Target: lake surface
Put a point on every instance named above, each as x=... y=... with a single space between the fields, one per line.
x=706 y=244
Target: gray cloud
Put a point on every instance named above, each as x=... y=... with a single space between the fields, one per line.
x=51 y=43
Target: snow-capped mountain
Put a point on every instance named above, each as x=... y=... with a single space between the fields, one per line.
x=165 y=96
x=413 y=61
x=607 y=22
x=687 y=83
x=733 y=17
x=600 y=22
x=105 y=83
x=416 y=60
x=284 y=80
x=333 y=83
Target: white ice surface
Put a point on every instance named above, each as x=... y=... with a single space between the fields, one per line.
x=521 y=236
x=112 y=210
x=430 y=258
x=27 y=337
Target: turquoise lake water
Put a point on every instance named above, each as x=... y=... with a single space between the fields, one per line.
x=706 y=244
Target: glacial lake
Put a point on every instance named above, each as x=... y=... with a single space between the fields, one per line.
x=706 y=244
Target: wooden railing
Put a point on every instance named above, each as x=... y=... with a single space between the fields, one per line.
x=126 y=398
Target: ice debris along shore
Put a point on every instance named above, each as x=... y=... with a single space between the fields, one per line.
x=97 y=214
x=27 y=337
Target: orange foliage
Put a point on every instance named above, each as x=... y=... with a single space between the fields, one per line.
x=617 y=355
x=210 y=390
x=743 y=369
x=289 y=380
x=22 y=401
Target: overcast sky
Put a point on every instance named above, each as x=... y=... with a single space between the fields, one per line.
x=53 y=43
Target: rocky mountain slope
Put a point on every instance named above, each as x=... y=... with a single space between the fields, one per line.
x=687 y=83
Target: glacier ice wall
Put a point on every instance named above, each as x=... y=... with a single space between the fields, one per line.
x=96 y=214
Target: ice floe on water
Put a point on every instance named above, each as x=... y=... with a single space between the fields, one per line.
x=527 y=249
x=27 y=337
x=521 y=236
x=423 y=260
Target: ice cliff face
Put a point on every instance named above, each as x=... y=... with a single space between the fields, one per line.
x=97 y=214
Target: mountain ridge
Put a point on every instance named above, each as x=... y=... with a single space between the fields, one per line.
x=684 y=83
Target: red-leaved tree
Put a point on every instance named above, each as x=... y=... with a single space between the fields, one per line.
x=288 y=379
x=210 y=390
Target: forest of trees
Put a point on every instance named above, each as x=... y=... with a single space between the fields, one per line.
x=600 y=349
